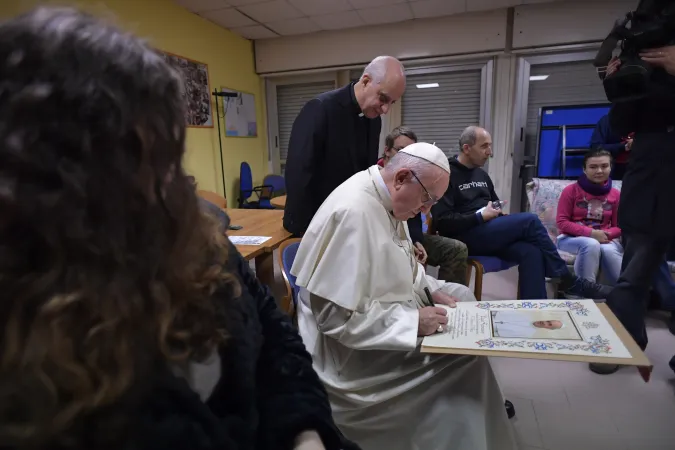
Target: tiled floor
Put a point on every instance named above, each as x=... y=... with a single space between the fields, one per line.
x=564 y=406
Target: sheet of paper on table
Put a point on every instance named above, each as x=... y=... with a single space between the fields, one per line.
x=553 y=327
x=249 y=240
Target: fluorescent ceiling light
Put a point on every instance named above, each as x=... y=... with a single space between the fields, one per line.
x=427 y=85
x=538 y=77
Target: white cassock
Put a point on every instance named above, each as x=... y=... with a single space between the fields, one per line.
x=511 y=324
x=358 y=317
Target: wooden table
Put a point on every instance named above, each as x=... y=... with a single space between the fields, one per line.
x=259 y=222
x=279 y=202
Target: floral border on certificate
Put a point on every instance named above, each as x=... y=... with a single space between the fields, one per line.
x=577 y=308
x=596 y=345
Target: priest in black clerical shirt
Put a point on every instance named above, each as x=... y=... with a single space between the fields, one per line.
x=335 y=136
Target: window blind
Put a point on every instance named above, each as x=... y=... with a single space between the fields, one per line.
x=440 y=114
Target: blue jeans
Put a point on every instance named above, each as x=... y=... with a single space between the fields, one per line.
x=592 y=255
x=520 y=238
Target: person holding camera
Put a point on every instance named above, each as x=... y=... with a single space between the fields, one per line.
x=646 y=214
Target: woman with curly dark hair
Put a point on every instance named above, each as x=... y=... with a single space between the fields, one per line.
x=126 y=320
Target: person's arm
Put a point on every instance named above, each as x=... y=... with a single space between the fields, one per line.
x=493 y=195
x=599 y=140
x=384 y=326
x=449 y=223
x=565 y=214
x=291 y=398
x=306 y=149
x=415 y=228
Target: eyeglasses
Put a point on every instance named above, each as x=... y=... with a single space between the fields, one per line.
x=431 y=200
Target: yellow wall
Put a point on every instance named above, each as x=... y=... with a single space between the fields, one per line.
x=169 y=27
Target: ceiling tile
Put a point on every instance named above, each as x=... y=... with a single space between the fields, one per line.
x=228 y=18
x=245 y=2
x=386 y=14
x=435 y=8
x=319 y=7
x=270 y=11
x=255 y=32
x=294 y=26
x=485 y=5
x=363 y=4
x=202 y=5
x=337 y=21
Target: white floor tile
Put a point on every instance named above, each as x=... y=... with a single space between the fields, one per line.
x=525 y=423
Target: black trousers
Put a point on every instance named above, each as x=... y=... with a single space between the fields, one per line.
x=647 y=221
x=629 y=299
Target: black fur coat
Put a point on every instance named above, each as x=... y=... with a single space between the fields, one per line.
x=268 y=392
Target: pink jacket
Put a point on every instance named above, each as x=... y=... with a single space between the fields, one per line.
x=579 y=212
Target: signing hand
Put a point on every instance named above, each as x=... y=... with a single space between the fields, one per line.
x=600 y=236
x=613 y=66
x=420 y=253
x=490 y=212
x=442 y=298
x=431 y=318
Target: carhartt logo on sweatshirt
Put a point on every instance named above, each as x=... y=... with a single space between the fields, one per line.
x=473 y=184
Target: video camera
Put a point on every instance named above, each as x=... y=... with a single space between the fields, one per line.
x=652 y=25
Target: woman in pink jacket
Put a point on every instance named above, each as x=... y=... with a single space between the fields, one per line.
x=587 y=220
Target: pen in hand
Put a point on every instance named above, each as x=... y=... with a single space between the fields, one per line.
x=430 y=301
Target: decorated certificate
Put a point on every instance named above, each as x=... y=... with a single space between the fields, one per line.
x=554 y=327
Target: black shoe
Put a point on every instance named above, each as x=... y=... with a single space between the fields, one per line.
x=671 y=325
x=603 y=369
x=578 y=287
x=511 y=410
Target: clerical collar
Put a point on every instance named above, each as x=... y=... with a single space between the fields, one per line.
x=381 y=187
x=355 y=103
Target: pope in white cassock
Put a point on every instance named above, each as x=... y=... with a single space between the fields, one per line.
x=362 y=314
x=514 y=324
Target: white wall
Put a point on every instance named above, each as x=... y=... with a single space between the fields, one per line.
x=566 y=22
x=416 y=39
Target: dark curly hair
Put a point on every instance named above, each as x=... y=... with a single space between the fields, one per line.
x=106 y=263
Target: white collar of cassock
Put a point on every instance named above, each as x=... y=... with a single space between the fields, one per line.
x=381 y=187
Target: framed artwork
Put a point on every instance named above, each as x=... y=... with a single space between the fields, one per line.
x=240 y=114
x=197 y=90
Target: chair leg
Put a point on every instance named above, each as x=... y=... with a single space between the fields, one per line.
x=478 y=283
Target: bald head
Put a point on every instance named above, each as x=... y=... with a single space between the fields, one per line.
x=475 y=146
x=380 y=86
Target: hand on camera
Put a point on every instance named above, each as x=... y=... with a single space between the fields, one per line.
x=613 y=66
x=600 y=236
x=661 y=57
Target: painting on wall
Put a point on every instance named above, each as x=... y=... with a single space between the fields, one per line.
x=240 y=114
x=197 y=90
